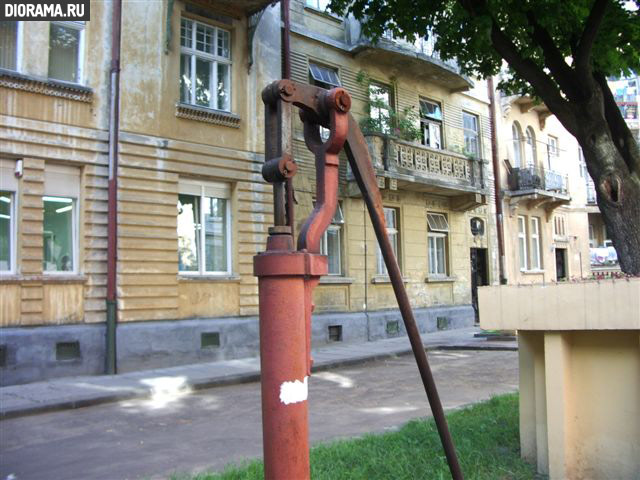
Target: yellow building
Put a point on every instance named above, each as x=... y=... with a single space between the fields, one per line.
x=436 y=181
x=189 y=133
x=544 y=184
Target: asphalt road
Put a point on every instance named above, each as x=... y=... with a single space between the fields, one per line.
x=180 y=431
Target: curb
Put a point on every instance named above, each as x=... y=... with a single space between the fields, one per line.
x=236 y=379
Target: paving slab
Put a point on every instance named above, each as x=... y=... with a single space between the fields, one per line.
x=75 y=392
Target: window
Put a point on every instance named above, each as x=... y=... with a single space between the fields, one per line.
x=390 y=217
x=205 y=65
x=204 y=230
x=332 y=241
x=522 y=243
x=517 y=144
x=437 y=243
x=7 y=227
x=535 y=244
x=318 y=4
x=10 y=45
x=8 y=189
x=553 y=146
x=552 y=151
x=559 y=226
x=60 y=219
x=431 y=121
x=324 y=77
x=470 y=127
x=530 y=148
x=592 y=237
x=582 y=165
x=66 y=46
x=380 y=106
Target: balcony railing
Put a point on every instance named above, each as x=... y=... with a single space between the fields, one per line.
x=425 y=164
x=424 y=45
x=537 y=178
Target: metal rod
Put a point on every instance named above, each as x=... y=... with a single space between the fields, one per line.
x=496 y=180
x=358 y=156
x=112 y=192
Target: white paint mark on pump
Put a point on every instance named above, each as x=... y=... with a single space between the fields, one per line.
x=294 y=392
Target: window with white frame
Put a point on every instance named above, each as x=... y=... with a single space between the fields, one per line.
x=582 y=164
x=380 y=106
x=60 y=219
x=530 y=148
x=522 y=243
x=559 y=226
x=471 y=130
x=391 y=219
x=516 y=133
x=10 y=35
x=66 y=50
x=536 y=251
x=204 y=228
x=319 y=4
x=324 y=77
x=431 y=121
x=8 y=196
x=331 y=243
x=437 y=244
x=205 y=65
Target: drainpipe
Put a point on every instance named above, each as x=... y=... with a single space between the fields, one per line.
x=112 y=225
x=496 y=180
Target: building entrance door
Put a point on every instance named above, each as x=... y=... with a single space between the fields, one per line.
x=561 y=264
x=479 y=275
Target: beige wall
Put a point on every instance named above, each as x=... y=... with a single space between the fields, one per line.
x=579 y=359
x=360 y=287
x=576 y=240
x=43 y=124
x=580 y=403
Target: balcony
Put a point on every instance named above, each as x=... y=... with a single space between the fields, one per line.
x=408 y=166
x=418 y=59
x=537 y=186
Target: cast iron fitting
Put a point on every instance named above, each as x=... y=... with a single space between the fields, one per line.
x=279 y=169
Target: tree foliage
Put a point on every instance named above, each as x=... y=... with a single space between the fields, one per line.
x=559 y=51
x=466 y=31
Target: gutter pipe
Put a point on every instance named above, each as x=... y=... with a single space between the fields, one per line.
x=112 y=218
x=496 y=180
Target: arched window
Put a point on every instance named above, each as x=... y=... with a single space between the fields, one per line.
x=517 y=144
x=530 y=148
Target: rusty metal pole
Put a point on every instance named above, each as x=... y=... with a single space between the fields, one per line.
x=283 y=277
x=286 y=279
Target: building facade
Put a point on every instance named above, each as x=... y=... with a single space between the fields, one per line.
x=428 y=131
x=192 y=207
x=544 y=189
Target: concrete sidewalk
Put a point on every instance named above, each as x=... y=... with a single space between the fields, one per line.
x=76 y=392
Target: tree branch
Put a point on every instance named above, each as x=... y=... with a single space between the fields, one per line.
x=592 y=25
x=540 y=81
x=620 y=133
x=554 y=60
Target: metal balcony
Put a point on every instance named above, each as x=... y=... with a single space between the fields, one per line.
x=537 y=186
x=537 y=178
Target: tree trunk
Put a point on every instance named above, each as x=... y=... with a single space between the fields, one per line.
x=616 y=180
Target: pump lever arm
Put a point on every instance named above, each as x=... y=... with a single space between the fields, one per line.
x=362 y=168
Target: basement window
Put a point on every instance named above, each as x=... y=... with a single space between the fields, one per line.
x=209 y=339
x=67 y=351
x=335 y=333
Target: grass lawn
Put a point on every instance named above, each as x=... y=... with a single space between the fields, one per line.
x=485 y=435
